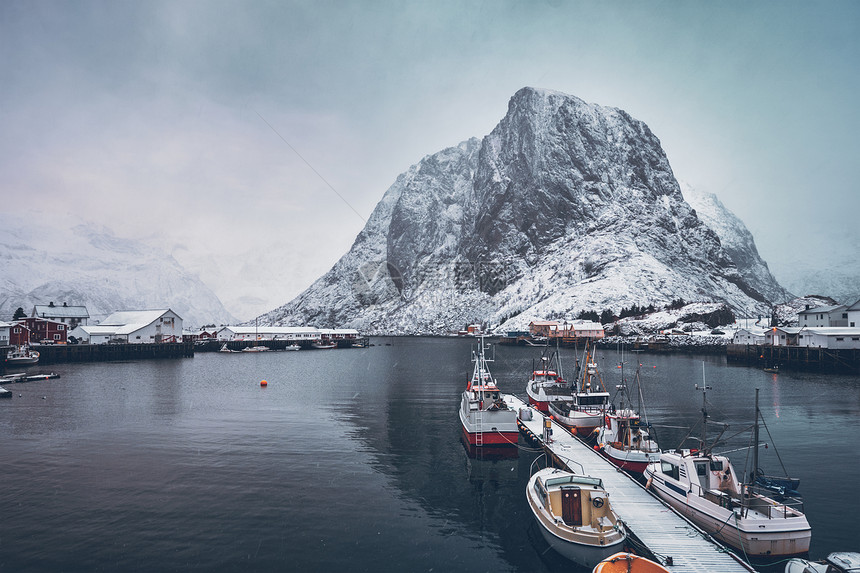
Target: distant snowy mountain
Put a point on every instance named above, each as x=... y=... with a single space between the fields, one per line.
x=565 y=206
x=737 y=241
x=43 y=261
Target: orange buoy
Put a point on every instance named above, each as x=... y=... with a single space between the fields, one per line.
x=263 y=383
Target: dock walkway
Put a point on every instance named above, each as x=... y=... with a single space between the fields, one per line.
x=664 y=532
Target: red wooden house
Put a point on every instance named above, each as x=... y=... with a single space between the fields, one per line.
x=45 y=331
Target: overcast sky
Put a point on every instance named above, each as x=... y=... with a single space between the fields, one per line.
x=153 y=118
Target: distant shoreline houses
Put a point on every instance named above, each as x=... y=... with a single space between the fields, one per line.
x=833 y=326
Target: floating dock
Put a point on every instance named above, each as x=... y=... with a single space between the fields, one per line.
x=663 y=531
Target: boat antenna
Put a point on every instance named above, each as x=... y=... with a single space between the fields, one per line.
x=703 y=441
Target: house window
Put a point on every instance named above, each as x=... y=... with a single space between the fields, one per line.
x=852 y=325
x=839 y=339
x=855 y=338
x=60 y=327
x=16 y=330
x=137 y=337
x=56 y=337
x=844 y=315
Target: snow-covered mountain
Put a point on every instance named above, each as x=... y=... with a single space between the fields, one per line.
x=43 y=261
x=565 y=206
x=737 y=241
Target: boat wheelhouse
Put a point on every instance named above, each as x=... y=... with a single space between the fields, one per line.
x=545 y=384
x=583 y=411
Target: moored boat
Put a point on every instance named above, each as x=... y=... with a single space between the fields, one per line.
x=256 y=349
x=705 y=488
x=292 y=347
x=574 y=515
x=485 y=418
x=321 y=345
x=583 y=411
x=628 y=563
x=22 y=356
x=625 y=439
x=545 y=384
x=839 y=562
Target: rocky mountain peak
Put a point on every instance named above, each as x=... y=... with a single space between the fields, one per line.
x=564 y=206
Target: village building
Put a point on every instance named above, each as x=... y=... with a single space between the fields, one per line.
x=853 y=313
x=565 y=329
x=291 y=333
x=133 y=327
x=749 y=336
x=14 y=334
x=45 y=331
x=823 y=316
x=829 y=337
x=72 y=316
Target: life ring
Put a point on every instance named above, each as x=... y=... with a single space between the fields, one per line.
x=597 y=502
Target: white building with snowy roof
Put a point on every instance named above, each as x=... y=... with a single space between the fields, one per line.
x=134 y=327
x=292 y=333
x=823 y=316
x=71 y=315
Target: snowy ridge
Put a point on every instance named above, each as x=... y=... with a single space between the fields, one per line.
x=45 y=261
x=565 y=206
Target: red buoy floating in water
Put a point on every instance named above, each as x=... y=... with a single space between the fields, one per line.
x=263 y=383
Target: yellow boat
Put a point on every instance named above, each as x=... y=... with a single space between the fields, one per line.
x=628 y=563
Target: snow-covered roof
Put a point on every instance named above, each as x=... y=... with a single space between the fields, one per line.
x=60 y=311
x=755 y=331
x=855 y=306
x=834 y=331
x=143 y=317
x=822 y=309
x=271 y=329
x=98 y=330
x=585 y=325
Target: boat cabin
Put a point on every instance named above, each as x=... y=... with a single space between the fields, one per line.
x=576 y=501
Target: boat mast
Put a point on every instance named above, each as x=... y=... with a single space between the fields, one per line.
x=755 y=440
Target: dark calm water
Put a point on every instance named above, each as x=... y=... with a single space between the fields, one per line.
x=348 y=460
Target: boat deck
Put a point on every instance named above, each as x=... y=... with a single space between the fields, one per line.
x=655 y=524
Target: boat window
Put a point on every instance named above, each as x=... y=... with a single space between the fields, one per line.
x=669 y=469
x=541 y=493
x=701 y=469
x=585 y=480
x=716 y=465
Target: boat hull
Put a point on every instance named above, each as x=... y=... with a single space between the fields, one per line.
x=496 y=428
x=754 y=537
x=491 y=438
x=633 y=461
x=628 y=563
x=582 y=554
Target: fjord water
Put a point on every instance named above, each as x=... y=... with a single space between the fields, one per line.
x=349 y=459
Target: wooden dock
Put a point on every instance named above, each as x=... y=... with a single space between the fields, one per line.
x=57 y=353
x=665 y=533
x=845 y=361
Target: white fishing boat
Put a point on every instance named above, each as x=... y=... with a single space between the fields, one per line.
x=225 y=349
x=22 y=356
x=323 y=345
x=574 y=515
x=625 y=438
x=292 y=347
x=839 y=562
x=705 y=488
x=486 y=419
x=256 y=349
x=546 y=384
x=582 y=412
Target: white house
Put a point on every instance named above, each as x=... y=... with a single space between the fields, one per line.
x=94 y=334
x=134 y=327
x=853 y=313
x=751 y=335
x=829 y=337
x=4 y=333
x=71 y=315
x=293 y=333
x=833 y=315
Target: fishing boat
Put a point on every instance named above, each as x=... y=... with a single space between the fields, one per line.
x=256 y=349
x=705 y=488
x=545 y=383
x=583 y=411
x=625 y=439
x=321 y=345
x=292 y=347
x=574 y=515
x=226 y=349
x=839 y=562
x=485 y=417
x=22 y=356
x=628 y=563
